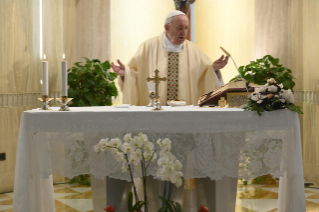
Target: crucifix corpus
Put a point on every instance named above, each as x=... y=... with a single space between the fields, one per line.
x=156 y=79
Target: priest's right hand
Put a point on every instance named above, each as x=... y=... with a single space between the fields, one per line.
x=120 y=70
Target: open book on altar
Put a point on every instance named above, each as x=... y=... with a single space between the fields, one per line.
x=235 y=93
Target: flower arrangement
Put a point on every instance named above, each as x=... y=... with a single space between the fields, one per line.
x=110 y=208
x=203 y=209
x=138 y=150
x=271 y=97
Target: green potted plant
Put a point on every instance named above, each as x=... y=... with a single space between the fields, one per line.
x=265 y=68
x=91 y=84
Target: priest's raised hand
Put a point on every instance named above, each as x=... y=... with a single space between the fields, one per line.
x=220 y=63
x=120 y=70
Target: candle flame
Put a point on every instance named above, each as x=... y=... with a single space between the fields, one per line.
x=63 y=56
x=44 y=57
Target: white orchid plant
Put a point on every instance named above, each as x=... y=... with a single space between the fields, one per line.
x=271 y=97
x=138 y=150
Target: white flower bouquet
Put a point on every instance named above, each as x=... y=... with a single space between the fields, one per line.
x=138 y=150
x=271 y=97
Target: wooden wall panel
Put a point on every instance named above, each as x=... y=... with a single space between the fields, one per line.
x=93 y=29
x=310 y=55
x=272 y=21
x=9 y=122
x=53 y=40
x=2 y=43
x=311 y=44
x=20 y=73
x=296 y=55
x=227 y=23
x=69 y=31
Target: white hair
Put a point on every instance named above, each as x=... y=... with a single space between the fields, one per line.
x=169 y=21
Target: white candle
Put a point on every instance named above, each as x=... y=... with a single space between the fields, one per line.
x=45 y=77
x=64 y=76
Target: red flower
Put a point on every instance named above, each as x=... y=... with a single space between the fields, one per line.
x=203 y=209
x=109 y=208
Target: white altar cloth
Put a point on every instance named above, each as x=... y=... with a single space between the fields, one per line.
x=209 y=142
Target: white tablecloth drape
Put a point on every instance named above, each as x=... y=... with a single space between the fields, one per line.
x=209 y=143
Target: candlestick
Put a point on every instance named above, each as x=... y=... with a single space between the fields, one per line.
x=64 y=100
x=45 y=99
x=45 y=77
x=64 y=75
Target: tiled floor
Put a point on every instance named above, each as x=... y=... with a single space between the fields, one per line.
x=251 y=198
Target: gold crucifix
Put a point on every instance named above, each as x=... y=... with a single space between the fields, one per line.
x=157 y=79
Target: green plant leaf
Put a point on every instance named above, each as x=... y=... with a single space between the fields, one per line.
x=91 y=81
x=260 y=110
x=178 y=207
x=96 y=61
x=112 y=76
x=234 y=78
x=81 y=103
x=106 y=65
x=294 y=108
x=165 y=202
x=162 y=209
x=87 y=59
x=269 y=108
x=130 y=201
x=72 y=92
x=85 y=90
x=77 y=64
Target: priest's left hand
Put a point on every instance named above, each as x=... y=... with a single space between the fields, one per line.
x=220 y=63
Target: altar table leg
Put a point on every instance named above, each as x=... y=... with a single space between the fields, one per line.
x=109 y=191
x=220 y=195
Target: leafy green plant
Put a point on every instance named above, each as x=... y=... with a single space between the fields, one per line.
x=245 y=182
x=264 y=68
x=169 y=205
x=91 y=84
x=81 y=180
x=259 y=180
x=137 y=206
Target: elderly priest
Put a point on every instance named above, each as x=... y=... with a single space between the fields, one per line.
x=189 y=72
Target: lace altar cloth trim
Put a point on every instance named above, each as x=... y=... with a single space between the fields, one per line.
x=209 y=144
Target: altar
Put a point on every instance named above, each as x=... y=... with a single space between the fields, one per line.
x=210 y=143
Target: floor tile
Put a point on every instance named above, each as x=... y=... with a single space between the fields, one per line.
x=270 y=186
x=260 y=205
x=5 y=208
x=10 y=195
x=61 y=207
x=308 y=194
x=7 y=202
x=276 y=190
x=243 y=209
x=312 y=205
x=314 y=196
x=5 y=196
x=62 y=195
x=82 y=205
x=84 y=195
x=257 y=193
x=65 y=190
x=81 y=190
x=314 y=190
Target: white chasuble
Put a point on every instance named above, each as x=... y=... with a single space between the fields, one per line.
x=195 y=73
